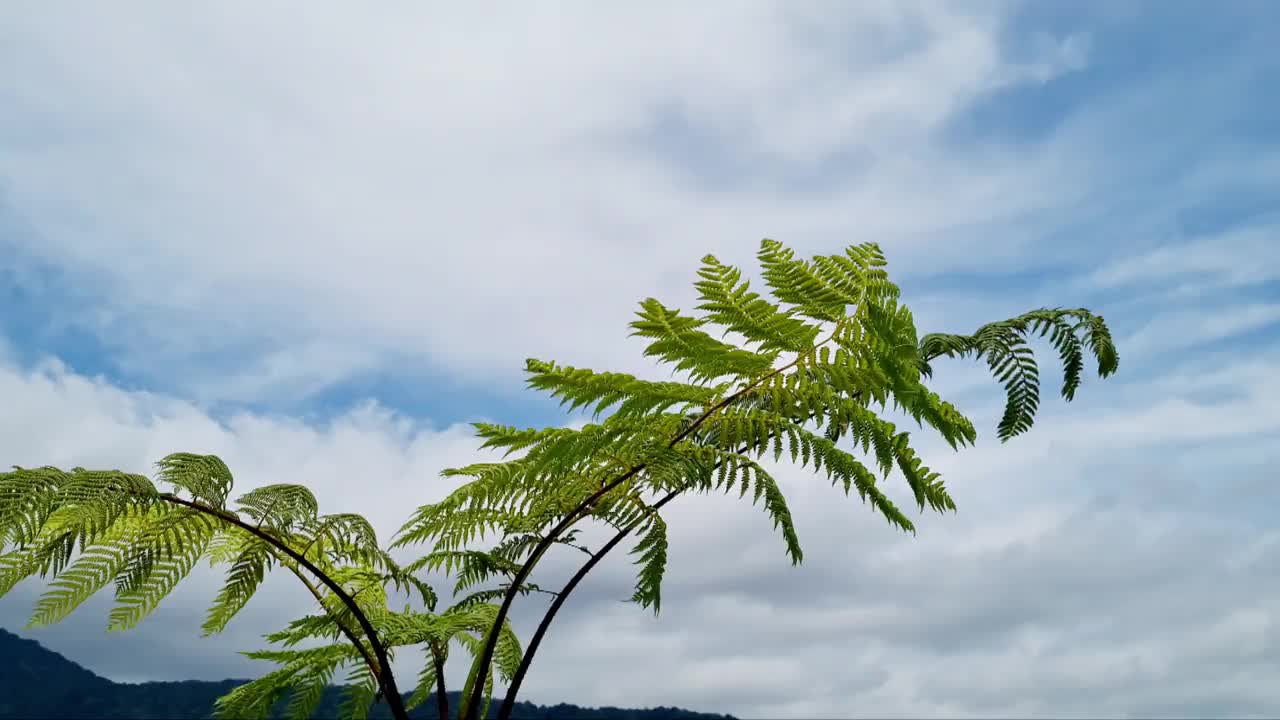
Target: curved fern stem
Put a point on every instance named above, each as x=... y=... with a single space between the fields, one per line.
x=491 y=640
x=379 y=664
x=442 y=700
x=342 y=626
x=931 y=348
x=508 y=703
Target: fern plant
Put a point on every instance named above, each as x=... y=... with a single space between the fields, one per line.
x=814 y=375
x=812 y=379
x=121 y=528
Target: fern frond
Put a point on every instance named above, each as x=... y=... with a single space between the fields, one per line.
x=436 y=655
x=85 y=502
x=15 y=567
x=403 y=579
x=254 y=700
x=761 y=484
x=1004 y=344
x=652 y=559
x=307 y=694
x=820 y=292
x=301 y=671
x=344 y=537
x=515 y=439
x=449 y=525
x=844 y=469
x=246 y=574
x=473 y=645
x=174 y=550
x=489 y=595
x=305 y=628
x=677 y=340
x=27 y=498
x=471 y=567
x=719 y=469
x=359 y=693
x=206 y=477
x=728 y=302
x=95 y=567
x=481 y=619
x=580 y=387
x=280 y=506
x=364 y=584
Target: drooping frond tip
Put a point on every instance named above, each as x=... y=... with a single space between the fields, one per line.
x=1005 y=347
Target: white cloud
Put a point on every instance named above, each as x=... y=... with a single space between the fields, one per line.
x=289 y=374
x=1179 y=329
x=1242 y=257
x=325 y=194
x=1034 y=581
x=393 y=180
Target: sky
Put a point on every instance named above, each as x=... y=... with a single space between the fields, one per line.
x=320 y=244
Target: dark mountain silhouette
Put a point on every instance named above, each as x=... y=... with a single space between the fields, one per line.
x=38 y=683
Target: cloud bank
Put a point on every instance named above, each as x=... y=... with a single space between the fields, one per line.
x=318 y=243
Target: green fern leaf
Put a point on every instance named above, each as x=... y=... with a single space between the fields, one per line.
x=206 y=477
x=652 y=559
x=728 y=301
x=678 y=340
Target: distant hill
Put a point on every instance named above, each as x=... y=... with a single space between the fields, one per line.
x=38 y=683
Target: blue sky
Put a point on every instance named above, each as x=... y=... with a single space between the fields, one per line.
x=319 y=244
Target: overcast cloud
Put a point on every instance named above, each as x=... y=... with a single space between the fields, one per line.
x=319 y=243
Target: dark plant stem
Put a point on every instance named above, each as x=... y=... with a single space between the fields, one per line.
x=508 y=703
x=442 y=700
x=491 y=640
x=382 y=666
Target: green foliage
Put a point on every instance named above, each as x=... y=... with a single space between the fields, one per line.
x=652 y=552
x=579 y=387
x=1005 y=346
x=812 y=379
x=728 y=302
x=790 y=388
x=819 y=406
x=82 y=530
x=300 y=671
x=248 y=570
x=205 y=477
x=677 y=340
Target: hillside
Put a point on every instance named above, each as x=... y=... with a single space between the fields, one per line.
x=39 y=683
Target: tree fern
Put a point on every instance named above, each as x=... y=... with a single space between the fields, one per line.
x=821 y=405
x=126 y=532
x=818 y=366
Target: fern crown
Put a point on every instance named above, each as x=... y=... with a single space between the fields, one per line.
x=820 y=364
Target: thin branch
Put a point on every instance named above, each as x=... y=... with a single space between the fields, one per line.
x=385 y=677
x=508 y=703
x=442 y=700
x=364 y=652
x=491 y=640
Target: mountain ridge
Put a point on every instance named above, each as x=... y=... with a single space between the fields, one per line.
x=39 y=683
